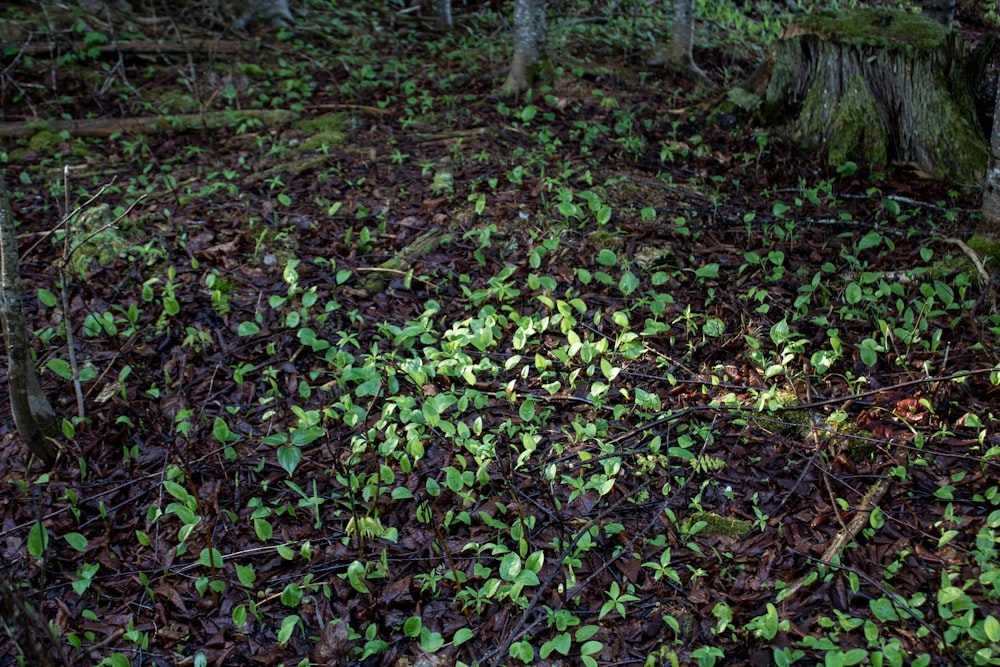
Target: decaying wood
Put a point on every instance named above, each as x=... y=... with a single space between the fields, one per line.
x=378 y=277
x=9 y=50
x=33 y=414
x=875 y=86
x=105 y=127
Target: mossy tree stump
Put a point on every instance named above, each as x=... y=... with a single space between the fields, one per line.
x=875 y=85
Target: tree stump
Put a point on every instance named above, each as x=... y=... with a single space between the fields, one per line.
x=875 y=85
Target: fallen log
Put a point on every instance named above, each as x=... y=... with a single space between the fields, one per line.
x=105 y=127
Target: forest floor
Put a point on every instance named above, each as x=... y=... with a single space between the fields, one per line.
x=377 y=367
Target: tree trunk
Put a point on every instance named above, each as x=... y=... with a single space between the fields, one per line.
x=276 y=11
x=442 y=14
x=529 y=46
x=680 y=52
x=33 y=414
x=989 y=221
x=875 y=85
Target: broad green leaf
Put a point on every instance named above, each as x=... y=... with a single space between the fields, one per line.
x=38 y=539
x=287 y=628
x=77 y=541
x=263 y=529
x=47 y=298
x=870 y=240
x=60 y=367
x=289 y=457
x=210 y=558
x=510 y=566
x=248 y=329
x=246 y=575
x=708 y=271
x=412 y=626
x=527 y=409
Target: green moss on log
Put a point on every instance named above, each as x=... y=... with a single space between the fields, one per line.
x=881 y=28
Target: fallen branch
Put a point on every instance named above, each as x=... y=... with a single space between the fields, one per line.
x=843 y=538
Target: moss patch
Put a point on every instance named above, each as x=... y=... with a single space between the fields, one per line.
x=985 y=248
x=45 y=141
x=323 y=131
x=718 y=525
x=876 y=27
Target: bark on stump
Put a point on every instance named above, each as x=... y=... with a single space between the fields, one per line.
x=874 y=85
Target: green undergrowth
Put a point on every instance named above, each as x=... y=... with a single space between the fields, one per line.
x=620 y=400
x=433 y=425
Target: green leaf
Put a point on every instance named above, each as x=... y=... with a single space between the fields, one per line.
x=291 y=595
x=412 y=626
x=77 y=541
x=47 y=298
x=606 y=258
x=287 y=628
x=535 y=561
x=779 y=332
x=629 y=283
x=769 y=628
x=431 y=642
x=561 y=643
x=221 y=432
x=522 y=651
x=171 y=306
x=289 y=457
x=853 y=293
x=180 y=493
x=854 y=657
x=869 y=356
x=708 y=271
x=38 y=539
x=356 y=575
x=263 y=529
x=60 y=367
x=240 y=615
x=510 y=566
x=528 y=112
x=246 y=575
x=210 y=558
x=248 y=329
x=527 y=409
x=301 y=437
x=847 y=168
x=991 y=626
x=463 y=635
x=870 y=240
